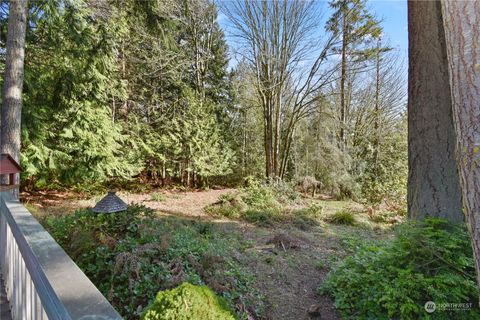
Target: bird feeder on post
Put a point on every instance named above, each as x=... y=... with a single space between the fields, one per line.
x=111 y=203
x=9 y=168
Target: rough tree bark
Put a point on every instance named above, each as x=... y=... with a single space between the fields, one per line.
x=433 y=182
x=462 y=29
x=13 y=80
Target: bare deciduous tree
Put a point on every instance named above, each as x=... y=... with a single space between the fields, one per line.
x=277 y=38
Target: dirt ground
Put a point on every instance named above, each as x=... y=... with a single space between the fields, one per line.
x=189 y=203
x=290 y=277
x=289 y=264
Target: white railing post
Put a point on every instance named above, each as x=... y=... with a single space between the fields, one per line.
x=41 y=281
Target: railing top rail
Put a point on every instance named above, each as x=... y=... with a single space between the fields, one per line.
x=65 y=291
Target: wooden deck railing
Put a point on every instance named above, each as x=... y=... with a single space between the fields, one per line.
x=41 y=281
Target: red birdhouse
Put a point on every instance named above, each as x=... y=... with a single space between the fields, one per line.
x=8 y=166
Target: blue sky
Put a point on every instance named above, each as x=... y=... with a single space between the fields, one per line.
x=392 y=13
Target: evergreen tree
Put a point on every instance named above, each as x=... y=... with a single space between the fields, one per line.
x=71 y=81
x=171 y=50
x=356 y=27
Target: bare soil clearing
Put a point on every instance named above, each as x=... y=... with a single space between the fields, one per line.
x=289 y=264
x=190 y=203
x=289 y=276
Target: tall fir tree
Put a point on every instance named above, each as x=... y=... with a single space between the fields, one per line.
x=356 y=27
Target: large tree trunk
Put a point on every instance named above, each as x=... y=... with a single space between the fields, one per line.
x=433 y=182
x=462 y=21
x=13 y=81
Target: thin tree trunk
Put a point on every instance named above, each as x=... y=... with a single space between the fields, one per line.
x=376 y=124
x=13 y=81
x=433 y=182
x=164 y=171
x=288 y=137
x=113 y=110
x=342 y=85
x=268 y=138
x=124 y=77
x=462 y=21
x=276 y=145
x=244 y=145
x=187 y=169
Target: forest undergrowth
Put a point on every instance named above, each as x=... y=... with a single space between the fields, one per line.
x=257 y=247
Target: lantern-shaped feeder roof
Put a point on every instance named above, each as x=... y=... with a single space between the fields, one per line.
x=8 y=165
x=110 y=203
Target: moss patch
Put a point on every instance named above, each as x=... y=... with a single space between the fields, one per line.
x=188 y=302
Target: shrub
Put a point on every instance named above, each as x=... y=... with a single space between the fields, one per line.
x=307 y=217
x=428 y=261
x=263 y=217
x=264 y=205
x=380 y=217
x=159 y=197
x=84 y=230
x=399 y=207
x=342 y=217
x=229 y=205
x=131 y=259
x=259 y=197
x=308 y=184
x=188 y=302
x=314 y=210
x=385 y=217
x=284 y=192
x=347 y=188
x=255 y=204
